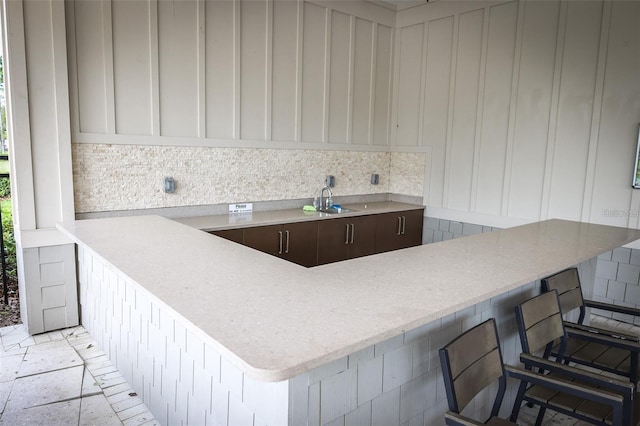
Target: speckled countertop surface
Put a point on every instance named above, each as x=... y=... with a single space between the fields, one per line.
x=275 y=320
x=274 y=217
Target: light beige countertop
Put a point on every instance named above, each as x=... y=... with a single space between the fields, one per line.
x=274 y=319
x=275 y=217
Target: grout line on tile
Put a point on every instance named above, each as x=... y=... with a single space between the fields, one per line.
x=37 y=373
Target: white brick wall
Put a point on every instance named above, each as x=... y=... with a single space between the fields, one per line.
x=51 y=295
x=618 y=282
x=174 y=369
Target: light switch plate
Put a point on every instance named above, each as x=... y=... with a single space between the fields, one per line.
x=241 y=208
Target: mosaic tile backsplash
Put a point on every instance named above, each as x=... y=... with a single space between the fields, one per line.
x=127 y=177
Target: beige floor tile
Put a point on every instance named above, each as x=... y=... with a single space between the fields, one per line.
x=90 y=386
x=49 y=356
x=41 y=338
x=12 y=350
x=121 y=396
x=103 y=370
x=56 y=335
x=139 y=419
x=61 y=413
x=81 y=342
x=44 y=382
x=90 y=353
x=9 y=367
x=124 y=387
x=15 y=337
x=5 y=391
x=9 y=328
x=111 y=379
x=99 y=362
x=27 y=342
x=133 y=411
x=153 y=422
x=45 y=388
x=127 y=403
x=68 y=332
x=96 y=411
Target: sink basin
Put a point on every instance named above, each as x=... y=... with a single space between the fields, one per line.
x=333 y=210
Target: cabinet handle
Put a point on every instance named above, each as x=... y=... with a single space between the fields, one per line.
x=286 y=250
x=353 y=228
x=404 y=223
x=280 y=243
x=346 y=240
x=399 y=225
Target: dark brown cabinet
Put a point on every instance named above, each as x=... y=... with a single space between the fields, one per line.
x=398 y=230
x=318 y=242
x=235 y=235
x=295 y=242
x=345 y=238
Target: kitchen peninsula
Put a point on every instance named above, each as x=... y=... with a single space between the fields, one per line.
x=211 y=332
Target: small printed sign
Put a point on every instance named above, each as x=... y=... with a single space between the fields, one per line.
x=241 y=208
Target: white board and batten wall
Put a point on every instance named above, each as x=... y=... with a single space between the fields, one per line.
x=529 y=109
x=287 y=74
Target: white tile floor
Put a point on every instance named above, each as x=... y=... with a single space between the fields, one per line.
x=61 y=378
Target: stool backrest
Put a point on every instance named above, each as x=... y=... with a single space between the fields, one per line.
x=540 y=323
x=470 y=363
x=567 y=284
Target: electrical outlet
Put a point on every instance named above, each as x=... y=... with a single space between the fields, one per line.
x=169 y=185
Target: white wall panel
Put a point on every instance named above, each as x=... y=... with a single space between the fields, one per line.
x=313 y=72
x=382 y=89
x=577 y=91
x=231 y=73
x=178 y=67
x=285 y=71
x=220 y=82
x=132 y=67
x=529 y=109
x=43 y=113
x=253 y=60
x=409 y=84
x=533 y=104
x=362 y=82
x=340 y=77
x=436 y=102
x=91 y=69
x=463 y=137
x=612 y=195
x=495 y=108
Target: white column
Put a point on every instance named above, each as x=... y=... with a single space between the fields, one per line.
x=35 y=69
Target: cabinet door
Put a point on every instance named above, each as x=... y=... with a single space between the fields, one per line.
x=398 y=230
x=413 y=228
x=346 y=238
x=388 y=229
x=333 y=240
x=301 y=243
x=363 y=236
x=264 y=238
x=235 y=235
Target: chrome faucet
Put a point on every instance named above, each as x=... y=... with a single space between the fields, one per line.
x=329 y=201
